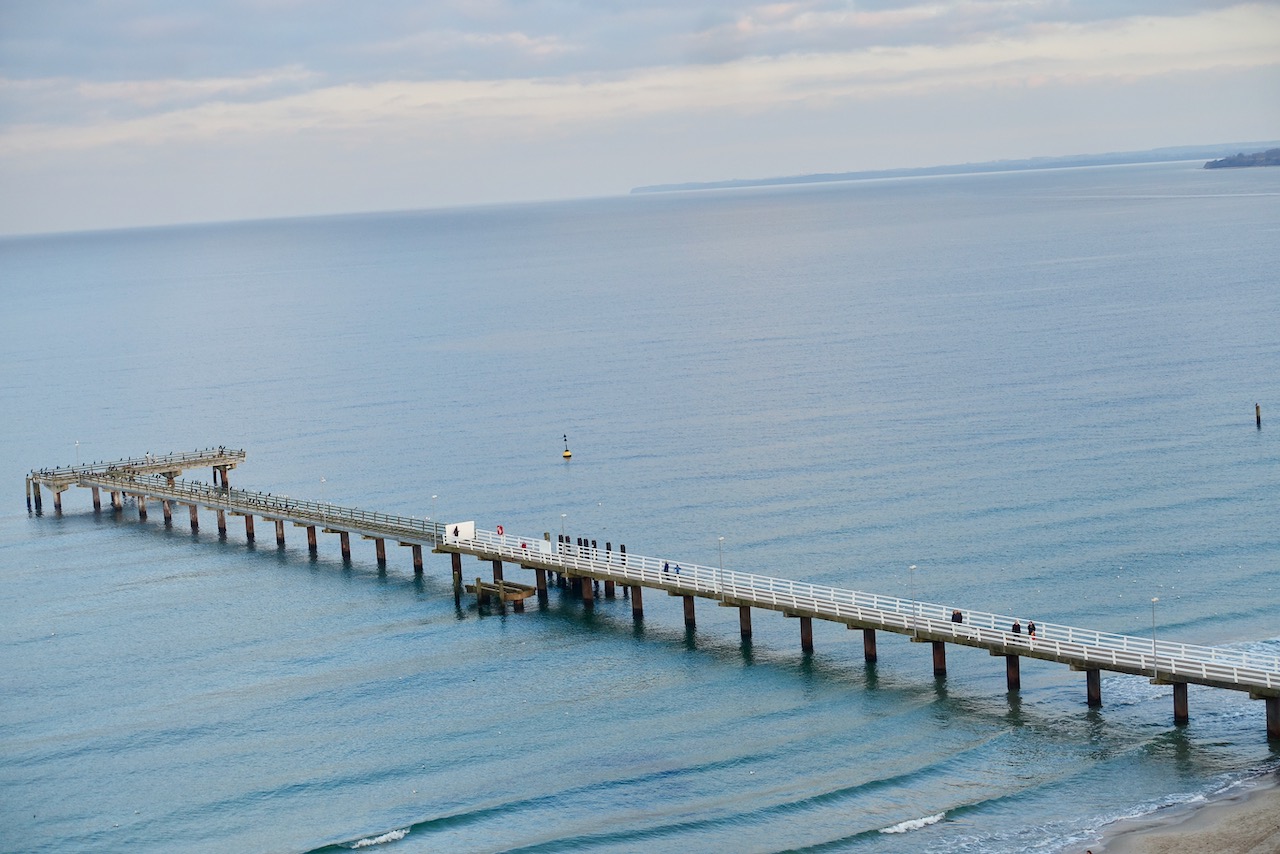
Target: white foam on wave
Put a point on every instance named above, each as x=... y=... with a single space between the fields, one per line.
x=390 y=836
x=915 y=823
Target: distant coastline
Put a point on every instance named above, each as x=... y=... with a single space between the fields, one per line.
x=1156 y=155
x=1270 y=157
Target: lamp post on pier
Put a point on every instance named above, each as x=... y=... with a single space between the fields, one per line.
x=915 y=610
x=435 y=520
x=1154 y=669
x=721 y=581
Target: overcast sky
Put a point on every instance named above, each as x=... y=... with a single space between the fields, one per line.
x=130 y=112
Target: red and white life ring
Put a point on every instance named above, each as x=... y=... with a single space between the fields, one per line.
x=499 y=530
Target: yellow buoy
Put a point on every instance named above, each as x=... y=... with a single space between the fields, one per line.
x=566 y=453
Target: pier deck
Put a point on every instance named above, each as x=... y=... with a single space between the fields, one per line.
x=1164 y=662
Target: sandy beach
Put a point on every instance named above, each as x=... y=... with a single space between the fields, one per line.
x=1243 y=821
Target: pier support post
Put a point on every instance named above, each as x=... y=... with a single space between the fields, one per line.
x=344 y=539
x=744 y=621
x=869 y=646
x=195 y=517
x=28 y=494
x=312 y=545
x=57 y=501
x=608 y=588
x=117 y=503
x=1180 y=715
x=540 y=581
x=280 y=533
x=248 y=527
x=939 y=658
x=1093 y=687
x=588 y=593
x=1012 y=672
x=637 y=604
x=457 y=572
x=806 y=634
x=689 y=621
x=417 y=559
x=97 y=500
x=222 y=522
x=142 y=507
x=168 y=511
x=497 y=571
x=35 y=493
x=1273 y=717
x=380 y=549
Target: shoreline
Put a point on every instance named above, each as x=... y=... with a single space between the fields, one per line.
x=1245 y=819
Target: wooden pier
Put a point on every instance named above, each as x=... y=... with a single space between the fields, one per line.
x=583 y=565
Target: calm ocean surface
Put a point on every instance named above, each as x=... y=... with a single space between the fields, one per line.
x=1037 y=387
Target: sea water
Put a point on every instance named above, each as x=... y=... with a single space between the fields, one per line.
x=1037 y=388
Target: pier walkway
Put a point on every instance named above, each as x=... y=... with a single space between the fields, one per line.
x=582 y=566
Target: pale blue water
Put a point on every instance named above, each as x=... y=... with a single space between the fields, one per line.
x=1036 y=387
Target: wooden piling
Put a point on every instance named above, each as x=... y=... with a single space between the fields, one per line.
x=222 y=522
x=637 y=605
x=806 y=634
x=457 y=572
x=588 y=593
x=1093 y=687
x=312 y=545
x=57 y=501
x=1257 y=415
x=417 y=559
x=939 y=658
x=195 y=517
x=744 y=621
x=35 y=493
x=117 y=502
x=1180 y=715
x=28 y=494
x=280 y=533
x=97 y=500
x=869 y=646
x=142 y=507
x=380 y=550
x=168 y=511
x=689 y=620
x=1012 y=672
x=1273 y=717
x=608 y=588
x=248 y=527
x=497 y=571
x=344 y=539
x=540 y=580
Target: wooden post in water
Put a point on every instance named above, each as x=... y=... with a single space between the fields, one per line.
x=142 y=507
x=457 y=573
x=57 y=501
x=588 y=593
x=497 y=571
x=540 y=581
x=195 y=517
x=1012 y=672
x=248 y=527
x=869 y=645
x=608 y=588
x=1257 y=415
x=689 y=621
x=222 y=522
x=939 y=658
x=35 y=493
x=417 y=559
x=280 y=533
x=1093 y=687
x=1273 y=717
x=97 y=500
x=312 y=545
x=117 y=503
x=28 y=494
x=1180 y=715
x=168 y=512
x=637 y=605
x=380 y=549
x=806 y=634
x=344 y=539
x=744 y=621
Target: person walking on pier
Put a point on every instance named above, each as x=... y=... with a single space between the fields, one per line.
x=956 y=616
x=666 y=567
x=1017 y=627
x=1031 y=629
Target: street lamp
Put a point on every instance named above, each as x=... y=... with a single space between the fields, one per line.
x=915 y=608
x=721 y=547
x=1154 y=668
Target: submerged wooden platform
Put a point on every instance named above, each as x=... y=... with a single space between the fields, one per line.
x=582 y=565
